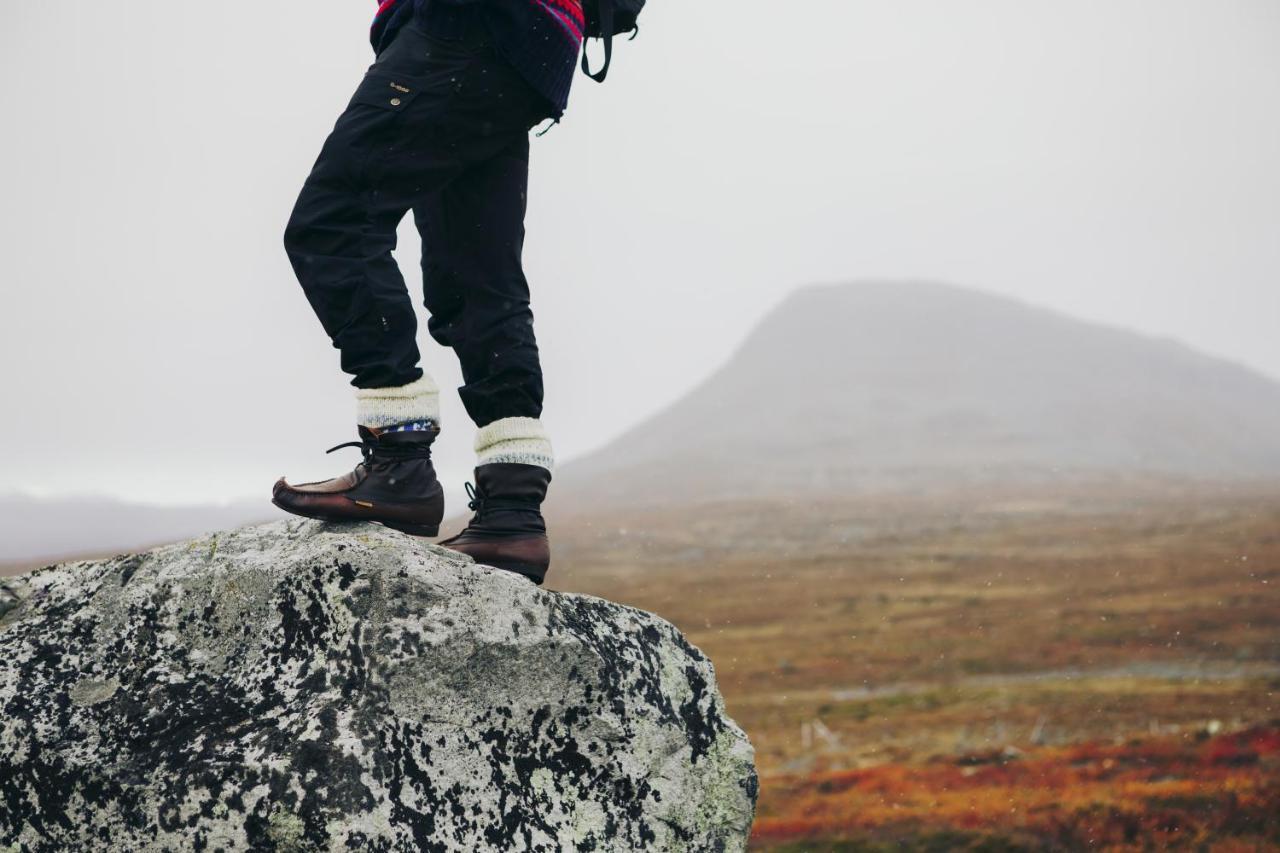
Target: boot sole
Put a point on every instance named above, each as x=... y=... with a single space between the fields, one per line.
x=412 y=529
x=402 y=526
x=534 y=573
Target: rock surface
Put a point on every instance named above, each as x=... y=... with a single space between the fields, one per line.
x=300 y=686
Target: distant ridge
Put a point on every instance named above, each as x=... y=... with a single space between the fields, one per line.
x=35 y=529
x=916 y=385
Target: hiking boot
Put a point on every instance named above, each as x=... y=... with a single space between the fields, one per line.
x=507 y=530
x=395 y=485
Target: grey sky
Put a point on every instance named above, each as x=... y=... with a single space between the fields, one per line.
x=1114 y=159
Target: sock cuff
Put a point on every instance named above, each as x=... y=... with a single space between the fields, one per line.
x=521 y=440
x=384 y=407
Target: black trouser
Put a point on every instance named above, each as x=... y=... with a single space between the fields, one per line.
x=439 y=127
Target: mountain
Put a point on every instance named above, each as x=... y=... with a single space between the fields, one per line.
x=34 y=529
x=912 y=385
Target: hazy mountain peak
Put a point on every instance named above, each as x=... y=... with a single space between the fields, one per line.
x=886 y=384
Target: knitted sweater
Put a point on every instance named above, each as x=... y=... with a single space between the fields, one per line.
x=541 y=38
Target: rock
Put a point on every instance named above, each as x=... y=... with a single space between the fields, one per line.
x=299 y=686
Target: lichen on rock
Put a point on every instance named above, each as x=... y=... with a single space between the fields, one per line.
x=299 y=686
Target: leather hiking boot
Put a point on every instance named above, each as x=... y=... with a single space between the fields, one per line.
x=507 y=530
x=395 y=485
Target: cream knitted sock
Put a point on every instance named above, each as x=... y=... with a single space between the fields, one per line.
x=383 y=407
x=522 y=440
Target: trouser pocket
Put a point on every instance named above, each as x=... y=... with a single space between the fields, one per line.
x=386 y=90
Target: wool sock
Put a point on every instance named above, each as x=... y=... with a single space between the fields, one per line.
x=379 y=408
x=522 y=440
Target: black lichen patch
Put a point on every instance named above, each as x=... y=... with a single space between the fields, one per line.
x=630 y=668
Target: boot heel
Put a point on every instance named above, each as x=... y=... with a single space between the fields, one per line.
x=414 y=529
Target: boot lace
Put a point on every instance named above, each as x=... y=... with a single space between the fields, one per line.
x=480 y=501
x=476 y=502
x=366 y=449
x=371 y=449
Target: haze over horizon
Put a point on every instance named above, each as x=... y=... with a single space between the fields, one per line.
x=157 y=346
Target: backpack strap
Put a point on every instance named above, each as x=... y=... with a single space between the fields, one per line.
x=606 y=28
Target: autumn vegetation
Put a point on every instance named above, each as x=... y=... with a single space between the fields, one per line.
x=1093 y=668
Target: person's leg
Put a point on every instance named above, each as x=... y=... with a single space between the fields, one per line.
x=475 y=288
x=478 y=297
x=342 y=231
x=428 y=111
x=395 y=144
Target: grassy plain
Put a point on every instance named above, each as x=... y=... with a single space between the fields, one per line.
x=1020 y=671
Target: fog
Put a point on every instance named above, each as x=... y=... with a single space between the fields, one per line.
x=1113 y=160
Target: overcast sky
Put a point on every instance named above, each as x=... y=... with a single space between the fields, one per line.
x=1115 y=159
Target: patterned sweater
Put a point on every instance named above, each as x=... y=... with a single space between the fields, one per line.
x=541 y=38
